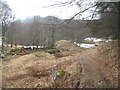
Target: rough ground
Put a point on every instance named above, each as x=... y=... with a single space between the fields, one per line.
x=86 y=69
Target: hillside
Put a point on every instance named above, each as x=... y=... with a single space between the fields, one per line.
x=90 y=68
x=47 y=20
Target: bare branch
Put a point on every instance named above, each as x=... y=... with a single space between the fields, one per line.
x=79 y=13
x=61 y=4
x=93 y=14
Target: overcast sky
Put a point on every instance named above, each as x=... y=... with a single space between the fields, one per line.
x=27 y=8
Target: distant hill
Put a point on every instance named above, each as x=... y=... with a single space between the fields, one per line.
x=26 y=20
x=48 y=20
x=52 y=20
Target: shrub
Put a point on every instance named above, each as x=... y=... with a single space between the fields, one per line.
x=14 y=51
x=52 y=51
x=60 y=73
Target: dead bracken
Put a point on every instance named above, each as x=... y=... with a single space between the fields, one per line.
x=91 y=68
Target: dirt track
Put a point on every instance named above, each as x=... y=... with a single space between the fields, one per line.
x=91 y=75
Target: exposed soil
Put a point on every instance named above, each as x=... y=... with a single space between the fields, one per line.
x=84 y=69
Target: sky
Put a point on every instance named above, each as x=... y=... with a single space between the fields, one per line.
x=28 y=8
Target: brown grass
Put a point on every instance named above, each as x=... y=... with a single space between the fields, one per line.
x=34 y=70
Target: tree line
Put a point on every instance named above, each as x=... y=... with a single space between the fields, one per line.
x=39 y=33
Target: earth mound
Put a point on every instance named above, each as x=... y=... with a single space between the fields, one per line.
x=65 y=45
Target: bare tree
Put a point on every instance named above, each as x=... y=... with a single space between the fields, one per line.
x=35 y=31
x=12 y=32
x=6 y=16
x=52 y=30
x=105 y=12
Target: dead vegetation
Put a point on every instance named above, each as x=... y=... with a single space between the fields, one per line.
x=67 y=48
x=36 y=67
x=82 y=68
x=106 y=57
x=65 y=45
